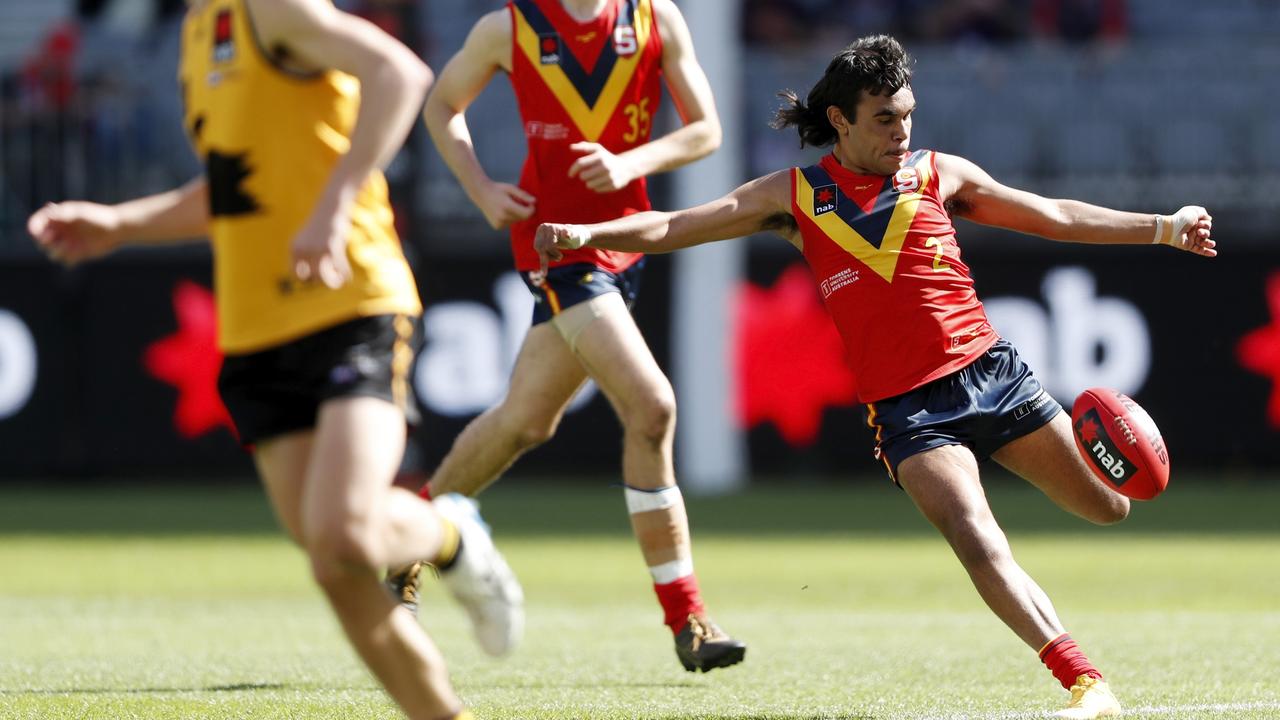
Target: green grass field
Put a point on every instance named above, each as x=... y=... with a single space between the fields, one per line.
x=164 y=602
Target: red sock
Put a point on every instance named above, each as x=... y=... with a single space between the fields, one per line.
x=679 y=600
x=1067 y=661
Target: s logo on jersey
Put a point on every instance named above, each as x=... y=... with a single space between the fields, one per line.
x=824 y=199
x=906 y=180
x=549 y=47
x=224 y=46
x=624 y=40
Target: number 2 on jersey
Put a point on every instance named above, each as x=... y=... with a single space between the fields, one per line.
x=938 y=265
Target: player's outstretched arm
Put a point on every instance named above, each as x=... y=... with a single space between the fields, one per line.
x=976 y=196
x=486 y=50
x=393 y=84
x=762 y=204
x=74 y=231
x=699 y=135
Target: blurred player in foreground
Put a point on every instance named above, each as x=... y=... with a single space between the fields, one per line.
x=294 y=106
x=942 y=389
x=586 y=78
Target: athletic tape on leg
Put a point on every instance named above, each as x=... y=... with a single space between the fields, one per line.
x=639 y=501
x=672 y=571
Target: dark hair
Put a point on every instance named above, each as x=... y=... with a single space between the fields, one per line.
x=876 y=64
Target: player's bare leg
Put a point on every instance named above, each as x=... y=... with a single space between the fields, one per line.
x=345 y=504
x=543 y=382
x=1048 y=459
x=607 y=341
x=282 y=465
x=943 y=482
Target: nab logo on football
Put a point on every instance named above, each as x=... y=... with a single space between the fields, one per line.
x=1100 y=450
x=224 y=46
x=549 y=47
x=824 y=199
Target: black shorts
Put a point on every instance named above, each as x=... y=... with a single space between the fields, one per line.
x=568 y=285
x=279 y=390
x=984 y=405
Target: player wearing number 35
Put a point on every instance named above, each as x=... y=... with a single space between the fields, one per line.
x=942 y=390
x=586 y=79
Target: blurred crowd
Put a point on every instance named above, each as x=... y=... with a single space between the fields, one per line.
x=800 y=22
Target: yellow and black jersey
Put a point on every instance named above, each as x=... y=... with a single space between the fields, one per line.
x=269 y=139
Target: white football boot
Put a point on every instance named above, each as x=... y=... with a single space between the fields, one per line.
x=480 y=579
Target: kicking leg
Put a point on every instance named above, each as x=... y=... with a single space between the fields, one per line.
x=1048 y=459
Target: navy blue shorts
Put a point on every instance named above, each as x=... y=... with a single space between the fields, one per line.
x=568 y=285
x=985 y=405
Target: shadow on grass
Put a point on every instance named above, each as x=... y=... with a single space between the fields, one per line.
x=535 y=507
x=237 y=687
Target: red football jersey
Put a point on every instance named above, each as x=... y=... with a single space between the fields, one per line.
x=595 y=81
x=884 y=253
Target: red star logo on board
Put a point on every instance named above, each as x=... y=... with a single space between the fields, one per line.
x=1089 y=431
x=826 y=196
x=789 y=358
x=189 y=360
x=1259 y=350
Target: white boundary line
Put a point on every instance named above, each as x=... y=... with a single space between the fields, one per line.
x=1128 y=710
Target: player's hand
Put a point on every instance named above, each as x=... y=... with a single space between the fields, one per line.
x=71 y=232
x=551 y=238
x=319 y=250
x=1189 y=229
x=504 y=204
x=600 y=169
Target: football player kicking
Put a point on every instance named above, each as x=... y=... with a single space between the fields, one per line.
x=942 y=389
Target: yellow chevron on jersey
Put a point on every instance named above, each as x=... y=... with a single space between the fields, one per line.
x=591 y=115
x=878 y=253
x=269 y=139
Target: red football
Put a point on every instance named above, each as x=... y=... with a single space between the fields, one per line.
x=1120 y=443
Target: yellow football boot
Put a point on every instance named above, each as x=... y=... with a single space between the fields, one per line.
x=1090 y=698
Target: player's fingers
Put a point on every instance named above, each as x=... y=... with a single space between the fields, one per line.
x=341 y=265
x=584 y=165
x=601 y=184
x=516 y=211
x=302 y=268
x=519 y=195
x=327 y=270
x=39 y=221
x=585 y=147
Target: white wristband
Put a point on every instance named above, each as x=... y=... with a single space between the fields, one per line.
x=575 y=237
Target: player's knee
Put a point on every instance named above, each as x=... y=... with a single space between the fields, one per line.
x=529 y=432
x=339 y=553
x=977 y=541
x=1111 y=511
x=654 y=418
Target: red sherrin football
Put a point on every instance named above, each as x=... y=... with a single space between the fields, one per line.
x=1120 y=443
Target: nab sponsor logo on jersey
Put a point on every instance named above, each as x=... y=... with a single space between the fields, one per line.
x=1099 y=449
x=224 y=44
x=549 y=49
x=824 y=199
x=906 y=180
